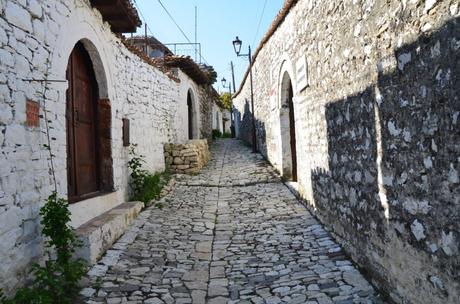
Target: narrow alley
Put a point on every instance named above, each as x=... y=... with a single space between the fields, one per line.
x=232 y=234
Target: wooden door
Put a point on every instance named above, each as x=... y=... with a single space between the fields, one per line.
x=190 y=116
x=83 y=173
x=292 y=133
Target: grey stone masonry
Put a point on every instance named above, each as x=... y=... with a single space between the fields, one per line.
x=231 y=234
x=375 y=129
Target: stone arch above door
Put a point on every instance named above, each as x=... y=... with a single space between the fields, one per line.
x=287 y=126
x=192 y=115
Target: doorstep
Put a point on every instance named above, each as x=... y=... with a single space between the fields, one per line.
x=294 y=188
x=99 y=233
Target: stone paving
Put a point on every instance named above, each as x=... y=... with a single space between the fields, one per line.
x=232 y=234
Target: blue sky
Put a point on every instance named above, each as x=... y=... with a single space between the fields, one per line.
x=219 y=21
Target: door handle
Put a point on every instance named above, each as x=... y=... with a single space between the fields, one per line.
x=77 y=118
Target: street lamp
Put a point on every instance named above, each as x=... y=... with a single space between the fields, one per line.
x=224 y=84
x=229 y=87
x=237 y=47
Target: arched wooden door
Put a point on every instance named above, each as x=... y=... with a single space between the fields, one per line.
x=82 y=137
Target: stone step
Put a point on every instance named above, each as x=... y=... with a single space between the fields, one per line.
x=98 y=234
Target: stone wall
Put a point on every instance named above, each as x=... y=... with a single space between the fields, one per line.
x=206 y=112
x=187 y=158
x=221 y=118
x=36 y=39
x=377 y=133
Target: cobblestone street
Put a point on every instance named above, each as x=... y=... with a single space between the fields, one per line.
x=231 y=234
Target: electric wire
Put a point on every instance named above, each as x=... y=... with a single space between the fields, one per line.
x=180 y=29
x=143 y=18
x=260 y=21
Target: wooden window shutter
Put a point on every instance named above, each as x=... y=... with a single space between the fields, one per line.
x=126 y=132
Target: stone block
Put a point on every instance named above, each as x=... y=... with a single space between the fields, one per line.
x=178 y=161
x=189 y=154
x=18 y=16
x=7 y=58
x=101 y=232
x=191 y=171
x=35 y=8
x=183 y=167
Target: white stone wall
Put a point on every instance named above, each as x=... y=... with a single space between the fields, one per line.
x=216 y=118
x=36 y=39
x=228 y=120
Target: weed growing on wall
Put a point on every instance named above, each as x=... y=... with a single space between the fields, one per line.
x=57 y=281
x=145 y=186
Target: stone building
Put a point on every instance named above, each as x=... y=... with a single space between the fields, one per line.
x=221 y=119
x=151 y=46
x=67 y=74
x=357 y=103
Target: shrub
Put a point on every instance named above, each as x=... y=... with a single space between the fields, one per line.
x=226 y=135
x=58 y=280
x=151 y=188
x=216 y=134
x=2 y=297
x=137 y=173
x=145 y=186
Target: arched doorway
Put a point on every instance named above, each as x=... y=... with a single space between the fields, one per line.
x=88 y=121
x=190 y=114
x=288 y=132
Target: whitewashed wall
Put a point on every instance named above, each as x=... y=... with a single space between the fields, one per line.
x=36 y=39
x=216 y=118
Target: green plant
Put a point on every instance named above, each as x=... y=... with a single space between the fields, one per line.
x=226 y=99
x=226 y=135
x=58 y=280
x=150 y=189
x=2 y=297
x=216 y=134
x=137 y=173
x=145 y=186
x=98 y=283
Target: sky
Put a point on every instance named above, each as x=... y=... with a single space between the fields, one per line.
x=219 y=22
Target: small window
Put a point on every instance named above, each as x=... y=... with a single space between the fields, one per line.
x=125 y=132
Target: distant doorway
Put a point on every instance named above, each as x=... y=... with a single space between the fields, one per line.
x=190 y=114
x=288 y=132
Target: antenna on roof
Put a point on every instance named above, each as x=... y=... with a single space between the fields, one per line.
x=196 y=26
x=146 y=43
